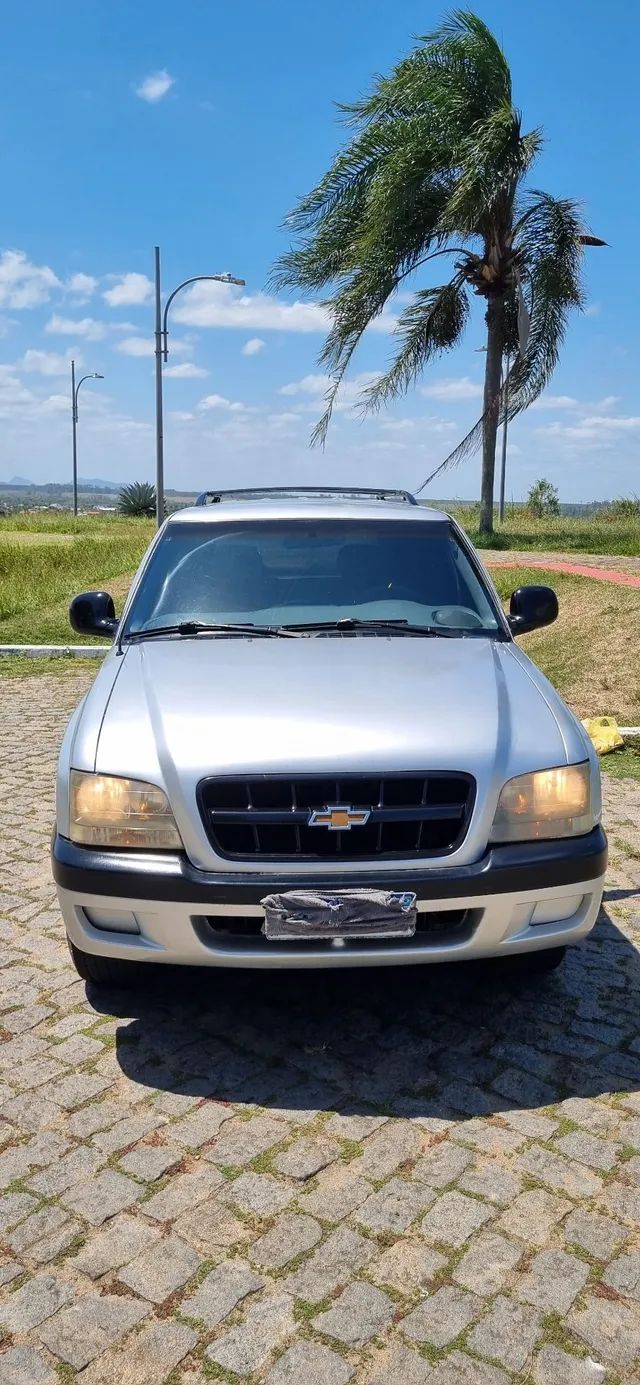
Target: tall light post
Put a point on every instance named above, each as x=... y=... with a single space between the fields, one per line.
x=74 y=421
x=161 y=354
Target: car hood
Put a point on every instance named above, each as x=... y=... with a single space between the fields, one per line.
x=180 y=710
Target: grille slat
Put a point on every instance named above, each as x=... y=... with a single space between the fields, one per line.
x=410 y=815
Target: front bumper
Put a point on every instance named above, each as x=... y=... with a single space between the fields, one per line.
x=145 y=907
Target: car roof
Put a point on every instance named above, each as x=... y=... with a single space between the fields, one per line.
x=307 y=503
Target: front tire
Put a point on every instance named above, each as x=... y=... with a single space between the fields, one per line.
x=103 y=971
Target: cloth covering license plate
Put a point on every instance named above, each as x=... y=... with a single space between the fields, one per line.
x=324 y=914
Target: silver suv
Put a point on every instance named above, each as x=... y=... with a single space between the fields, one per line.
x=315 y=743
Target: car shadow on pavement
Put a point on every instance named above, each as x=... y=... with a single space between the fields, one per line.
x=451 y=1042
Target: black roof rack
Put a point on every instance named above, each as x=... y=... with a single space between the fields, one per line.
x=264 y=492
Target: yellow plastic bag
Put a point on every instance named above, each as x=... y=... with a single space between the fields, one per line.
x=604 y=733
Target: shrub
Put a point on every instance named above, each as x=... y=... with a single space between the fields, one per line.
x=624 y=507
x=138 y=498
x=543 y=499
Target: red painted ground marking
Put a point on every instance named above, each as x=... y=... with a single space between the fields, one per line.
x=600 y=574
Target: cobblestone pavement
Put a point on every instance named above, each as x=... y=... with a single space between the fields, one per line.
x=408 y=1179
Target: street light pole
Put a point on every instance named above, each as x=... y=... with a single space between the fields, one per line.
x=74 y=422
x=161 y=354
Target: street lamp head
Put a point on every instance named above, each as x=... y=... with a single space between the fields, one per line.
x=229 y=279
x=95 y=376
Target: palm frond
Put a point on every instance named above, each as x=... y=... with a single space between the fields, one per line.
x=434 y=321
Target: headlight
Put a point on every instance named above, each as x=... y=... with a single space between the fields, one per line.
x=109 y=811
x=547 y=803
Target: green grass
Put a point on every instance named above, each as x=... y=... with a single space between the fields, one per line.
x=564 y=534
x=42 y=568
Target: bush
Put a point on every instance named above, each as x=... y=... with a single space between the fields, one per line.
x=543 y=499
x=138 y=498
x=625 y=507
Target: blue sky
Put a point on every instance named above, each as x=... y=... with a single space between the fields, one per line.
x=197 y=126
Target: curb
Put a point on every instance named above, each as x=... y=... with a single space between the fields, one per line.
x=53 y=651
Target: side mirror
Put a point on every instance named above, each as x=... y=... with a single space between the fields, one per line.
x=93 y=613
x=532 y=607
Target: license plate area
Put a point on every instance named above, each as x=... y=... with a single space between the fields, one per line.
x=322 y=915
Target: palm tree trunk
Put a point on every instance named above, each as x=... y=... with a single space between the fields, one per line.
x=493 y=368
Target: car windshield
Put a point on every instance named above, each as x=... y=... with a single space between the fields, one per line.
x=308 y=573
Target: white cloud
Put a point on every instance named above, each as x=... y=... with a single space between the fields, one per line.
x=462 y=388
x=82 y=286
x=592 y=310
x=555 y=401
x=23 y=284
x=155 y=86
x=221 y=305
x=129 y=290
x=253 y=346
x=86 y=327
x=315 y=387
x=145 y=346
x=218 y=401
x=594 y=430
x=185 y=371
x=48 y=362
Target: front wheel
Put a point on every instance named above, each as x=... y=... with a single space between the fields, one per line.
x=103 y=971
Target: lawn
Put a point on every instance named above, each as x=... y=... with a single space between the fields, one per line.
x=590 y=654
x=565 y=534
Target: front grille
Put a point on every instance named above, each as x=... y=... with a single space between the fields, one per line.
x=410 y=815
x=434 y=928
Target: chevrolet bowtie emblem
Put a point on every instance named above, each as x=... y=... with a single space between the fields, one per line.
x=339 y=817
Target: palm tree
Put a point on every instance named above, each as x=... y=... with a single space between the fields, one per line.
x=436 y=168
x=138 y=498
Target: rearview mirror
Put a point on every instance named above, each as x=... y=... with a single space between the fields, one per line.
x=532 y=607
x=93 y=613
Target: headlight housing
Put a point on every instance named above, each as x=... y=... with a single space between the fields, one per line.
x=547 y=803
x=105 y=810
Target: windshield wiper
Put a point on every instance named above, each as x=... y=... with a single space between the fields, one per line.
x=394 y=627
x=203 y=627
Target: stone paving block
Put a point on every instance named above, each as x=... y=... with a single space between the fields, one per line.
x=488 y=1263
x=75 y=1166
x=9 y=1270
x=490 y=1180
x=311 y=1363
x=258 y=1192
x=507 y=1334
x=622 y=1201
x=101 y=1197
x=291 y=1235
x=147 y=1356
x=553 y=1281
x=184 y=1191
x=555 y=1367
x=600 y=1236
x=150 y=1161
x=201 y=1125
x=530 y=1123
x=387 y=1148
x=14 y=1207
x=126 y=1132
x=610 y=1329
x=219 y=1293
x=559 y=1173
x=161 y=1269
x=588 y=1149
x=359 y=1314
x=395 y=1206
x=36 y=1300
x=43 y=1225
x=406 y=1265
x=442 y=1317
x=97 y=1116
x=25 y=1366
x=354 y=1127
x=442 y=1165
x=31 y=1111
x=533 y=1216
x=623 y=1274
x=240 y=1141
x=211 y=1227
x=78 y=1048
x=336 y=1260
x=489 y=1138
x=592 y=1115
x=399 y=1365
x=80 y=1333
x=246 y=1348
x=338 y=1193
x=122 y=1240
x=454 y=1218
x=460 y=1369
x=307 y=1156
